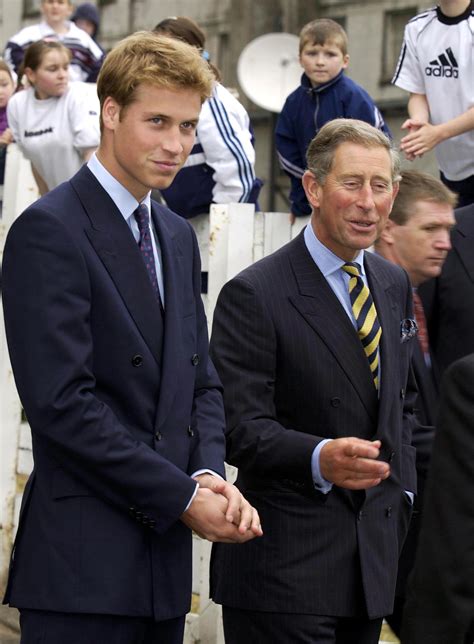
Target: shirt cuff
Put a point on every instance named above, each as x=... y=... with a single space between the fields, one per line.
x=196 y=473
x=320 y=483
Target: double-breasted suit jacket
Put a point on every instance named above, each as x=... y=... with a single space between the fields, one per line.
x=294 y=372
x=123 y=404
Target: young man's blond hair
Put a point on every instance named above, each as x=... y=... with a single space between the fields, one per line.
x=147 y=58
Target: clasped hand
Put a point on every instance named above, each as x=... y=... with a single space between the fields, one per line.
x=219 y=512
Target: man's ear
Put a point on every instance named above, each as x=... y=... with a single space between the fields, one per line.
x=110 y=113
x=387 y=233
x=395 y=189
x=311 y=188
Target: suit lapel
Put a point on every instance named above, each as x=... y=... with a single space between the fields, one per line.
x=382 y=289
x=320 y=307
x=113 y=242
x=172 y=259
x=463 y=243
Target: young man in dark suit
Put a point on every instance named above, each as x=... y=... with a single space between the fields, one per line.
x=313 y=345
x=417 y=238
x=108 y=343
x=440 y=599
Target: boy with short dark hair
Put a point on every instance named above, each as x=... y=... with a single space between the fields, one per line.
x=325 y=93
x=87 y=56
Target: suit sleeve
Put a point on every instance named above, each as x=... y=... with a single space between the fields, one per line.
x=441 y=594
x=47 y=305
x=208 y=407
x=244 y=349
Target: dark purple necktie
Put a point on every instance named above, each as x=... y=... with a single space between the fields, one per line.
x=145 y=246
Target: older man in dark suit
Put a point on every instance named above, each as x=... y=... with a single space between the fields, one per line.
x=440 y=600
x=417 y=238
x=313 y=345
x=108 y=343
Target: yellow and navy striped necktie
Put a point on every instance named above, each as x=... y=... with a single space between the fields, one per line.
x=365 y=314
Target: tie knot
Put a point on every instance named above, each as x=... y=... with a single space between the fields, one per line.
x=142 y=217
x=351 y=268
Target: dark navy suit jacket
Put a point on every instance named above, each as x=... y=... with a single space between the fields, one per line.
x=123 y=407
x=449 y=299
x=294 y=372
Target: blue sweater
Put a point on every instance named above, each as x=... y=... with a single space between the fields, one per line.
x=305 y=111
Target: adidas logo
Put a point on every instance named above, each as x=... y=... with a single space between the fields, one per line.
x=445 y=66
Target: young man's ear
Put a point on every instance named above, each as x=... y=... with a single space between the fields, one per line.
x=110 y=113
x=345 y=61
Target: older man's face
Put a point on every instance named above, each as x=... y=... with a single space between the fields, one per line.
x=352 y=206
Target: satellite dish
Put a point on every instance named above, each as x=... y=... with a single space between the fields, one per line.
x=268 y=69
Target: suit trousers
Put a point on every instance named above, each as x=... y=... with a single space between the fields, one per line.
x=260 y=627
x=46 y=627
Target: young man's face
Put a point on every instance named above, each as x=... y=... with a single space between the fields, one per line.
x=145 y=144
x=322 y=63
x=352 y=206
x=55 y=12
x=422 y=243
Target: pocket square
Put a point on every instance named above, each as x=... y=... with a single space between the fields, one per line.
x=408 y=329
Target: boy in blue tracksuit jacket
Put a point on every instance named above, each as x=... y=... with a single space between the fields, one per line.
x=324 y=94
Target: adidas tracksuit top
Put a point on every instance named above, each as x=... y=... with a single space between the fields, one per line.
x=220 y=168
x=437 y=59
x=305 y=111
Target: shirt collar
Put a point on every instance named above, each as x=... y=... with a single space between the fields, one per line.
x=122 y=198
x=325 y=259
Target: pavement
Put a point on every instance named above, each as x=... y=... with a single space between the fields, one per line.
x=9 y=631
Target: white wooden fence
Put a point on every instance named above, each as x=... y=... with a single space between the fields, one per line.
x=231 y=237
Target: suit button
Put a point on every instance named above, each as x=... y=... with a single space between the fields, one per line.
x=335 y=402
x=190 y=431
x=360 y=514
x=151 y=523
x=145 y=521
x=195 y=359
x=158 y=436
x=391 y=457
x=388 y=512
x=132 y=511
x=138 y=515
x=137 y=360
x=402 y=393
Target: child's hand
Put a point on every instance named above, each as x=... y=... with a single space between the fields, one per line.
x=6 y=137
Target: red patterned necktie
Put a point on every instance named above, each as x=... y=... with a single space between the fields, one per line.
x=421 y=323
x=145 y=245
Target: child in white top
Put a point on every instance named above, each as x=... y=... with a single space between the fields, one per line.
x=55 y=125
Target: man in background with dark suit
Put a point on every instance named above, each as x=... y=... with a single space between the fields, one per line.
x=440 y=601
x=108 y=343
x=313 y=345
x=449 y=299
x=417 y=238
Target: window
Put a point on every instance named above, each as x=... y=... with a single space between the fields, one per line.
x=394 y=26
